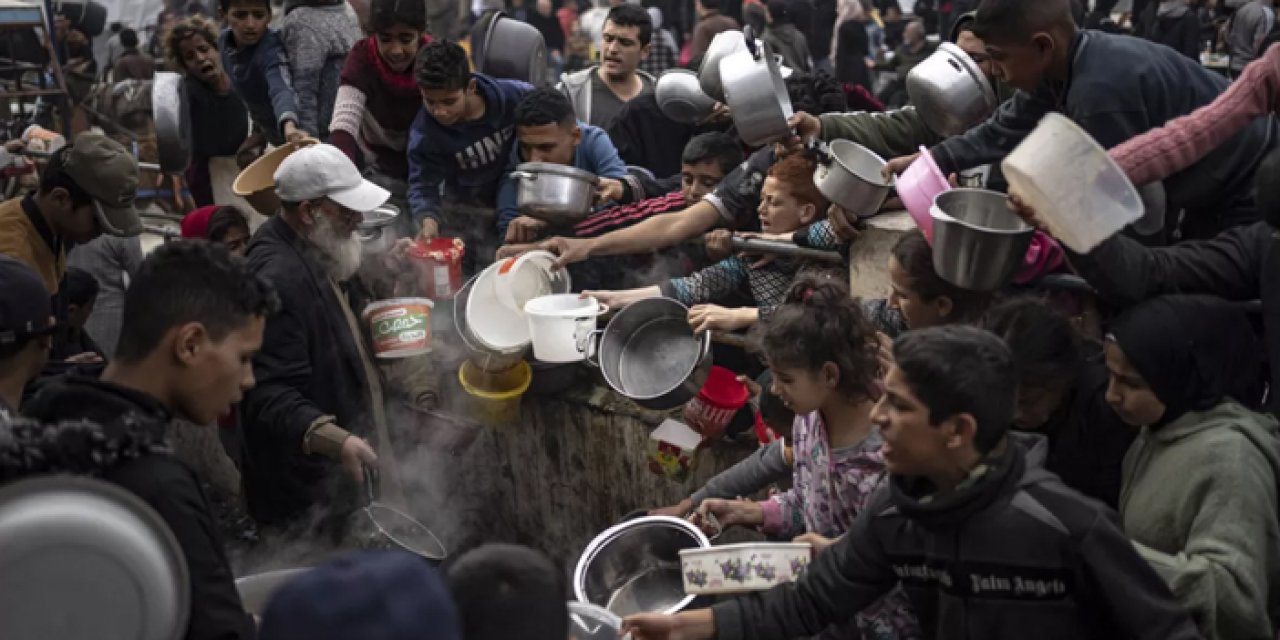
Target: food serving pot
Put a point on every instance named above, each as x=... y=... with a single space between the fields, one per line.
x=649 y=354
x=950 y=91
x=376 y=233
x=723 y=45
x=634 y=567
x=511 y=49
x=680 y=97
x=554 y=193
x=172 y=121
x=978 y=243
x=848 y=174
x=756 y=94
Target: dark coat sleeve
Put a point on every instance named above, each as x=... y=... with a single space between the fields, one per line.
x=995 y=138
x=840 y=582
x=174 y=492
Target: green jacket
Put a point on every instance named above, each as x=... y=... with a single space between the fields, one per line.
x=1198 y=500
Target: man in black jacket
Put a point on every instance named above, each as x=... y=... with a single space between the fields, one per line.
x=984 y=544
x=193 y=318
x=319 y=395
x=1115 y=87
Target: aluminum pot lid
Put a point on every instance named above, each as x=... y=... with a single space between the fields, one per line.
x=557 y=170
x=75 y=544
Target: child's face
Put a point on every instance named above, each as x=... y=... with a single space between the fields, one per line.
x=781 y=212
x=201 y=59
x=248 y=21
x=397 y=46
x=1022 y=65
x=447 y=106
x=804 y=390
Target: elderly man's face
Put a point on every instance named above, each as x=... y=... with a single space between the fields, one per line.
x=331 y=228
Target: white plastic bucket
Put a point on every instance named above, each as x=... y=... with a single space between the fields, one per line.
x=1074 y=186
x=560 y=324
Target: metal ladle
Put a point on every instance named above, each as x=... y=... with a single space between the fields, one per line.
x=399 y=527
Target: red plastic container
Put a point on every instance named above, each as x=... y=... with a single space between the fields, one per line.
x=721 y=396
x=439 y=267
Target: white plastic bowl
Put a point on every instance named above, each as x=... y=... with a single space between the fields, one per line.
x=560 y=324
x=1076 y=189
x=493 y=324
x=518 y=280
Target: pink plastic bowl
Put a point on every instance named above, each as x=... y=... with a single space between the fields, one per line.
x=918 y=186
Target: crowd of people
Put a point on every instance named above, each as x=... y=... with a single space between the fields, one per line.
x=1094 y=459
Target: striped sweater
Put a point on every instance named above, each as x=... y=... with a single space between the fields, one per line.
x=374 y=110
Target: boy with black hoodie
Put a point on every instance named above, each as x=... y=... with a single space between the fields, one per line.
x=985 y=544
x=193 y=319
x=462 y=139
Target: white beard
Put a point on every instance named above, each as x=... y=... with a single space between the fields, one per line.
x=341 y=253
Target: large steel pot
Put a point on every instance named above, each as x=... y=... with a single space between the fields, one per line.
x=634 y=567
x=756 y=94
x=512 y=49
x=680 y=97
x=649 y=354
x=169 y=108
x=723 y=45
x=376 y=233
x=978 y=244
x=950 y=91
x=848 y=174
x=82 y=558
x=559 y=195
x=256 y=590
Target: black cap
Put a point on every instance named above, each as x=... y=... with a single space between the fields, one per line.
x=25 y=306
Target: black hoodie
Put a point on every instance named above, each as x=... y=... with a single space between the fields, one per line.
x=165 y=483
x=1014 y=554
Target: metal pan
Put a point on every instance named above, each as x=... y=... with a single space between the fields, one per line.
x=169 y=106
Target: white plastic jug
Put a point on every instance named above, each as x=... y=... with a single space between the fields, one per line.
x=560 y=324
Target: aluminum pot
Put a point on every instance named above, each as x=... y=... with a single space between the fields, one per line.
x=848 y=174
x=559 y=195
x=756 y=94
x=169 y=108
x=634 y=567
x=978 y=244
x=680 y=97
x=649 y=354
x=723 y=45
x=376 y=233
x=950 y=91
x=512 y=49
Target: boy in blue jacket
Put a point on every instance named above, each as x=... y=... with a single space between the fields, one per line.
x=548 y=131
x=460 y=140
x=255 y=58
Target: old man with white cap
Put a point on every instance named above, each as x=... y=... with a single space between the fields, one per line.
x=310 y=422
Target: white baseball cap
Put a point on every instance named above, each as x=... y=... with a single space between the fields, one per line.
x=324 y=171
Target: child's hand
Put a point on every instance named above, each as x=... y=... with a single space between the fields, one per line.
x=609 y=190
x=1023 y=210
x=753 y=387
x=843 y=223
x=746 y=513
x=292 y=133
x=719 y=244
x=678 y=510
x=525 y=229
x=819 y=542
x=710 y=317
x=429 y=230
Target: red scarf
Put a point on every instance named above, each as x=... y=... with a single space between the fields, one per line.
x=397 y=81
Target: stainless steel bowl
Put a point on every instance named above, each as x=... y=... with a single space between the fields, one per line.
x=634 y=567
x=977 y=243
x=376 y=233
x=950 y=91
x=649 y=354
x=555 y=193
x=849 y=175
x=680 y=97
x=723 y=45
x=757 y=96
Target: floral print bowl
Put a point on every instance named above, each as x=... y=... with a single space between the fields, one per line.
x=735 y=568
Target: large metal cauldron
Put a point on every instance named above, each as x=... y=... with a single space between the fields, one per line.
x=649 y=354
x=634 y=567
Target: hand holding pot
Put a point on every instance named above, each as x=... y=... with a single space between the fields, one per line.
x=819 y=542
x=1023 y=210
x=843 y=223
x=430 y=229
x=727 y=513
x=356 y=454
x=608 y=190
x=525 y=229
x=710 y=317
x=677 y=510
x=719 y=244
x=621 y=299
x=567 y=250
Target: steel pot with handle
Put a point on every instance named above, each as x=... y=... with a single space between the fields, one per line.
x=950 y=91
x=649 y=354
x=756 y=93
x=634 y=567
x=848 y=174
x=169 y=109
x=723 y=45
x=559 y=195
x=377 y=236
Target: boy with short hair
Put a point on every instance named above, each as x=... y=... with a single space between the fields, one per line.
x=26 y=323
x=984 y=543
x=508 y=591
x=253 y=54
x=461 y=139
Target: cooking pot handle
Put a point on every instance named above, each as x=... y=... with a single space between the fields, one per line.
x=749 y=35
x=370 y=482
x=820 y=150
x=591 y=352
x=523 y=175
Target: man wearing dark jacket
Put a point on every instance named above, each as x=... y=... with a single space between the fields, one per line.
x=984 y=544
x=319 y=395
x=193 y=318
x=1037 y=49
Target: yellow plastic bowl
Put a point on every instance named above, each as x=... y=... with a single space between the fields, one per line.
x=495 y=397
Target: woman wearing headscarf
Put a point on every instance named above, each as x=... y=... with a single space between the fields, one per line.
x=1198 y=488
x=849 y=44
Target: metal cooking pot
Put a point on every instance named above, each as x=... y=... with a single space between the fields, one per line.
x=723 y=45
x=848 y=174
x=83 y=558
x=756 y=94
x=950 y=91
x=169 y=108
x=256 y=590
x=978 y=244
x=634 y=567
x=680 y=97
x=512 y=49
x=649 y=354
x=375 y=232
x=559 y=195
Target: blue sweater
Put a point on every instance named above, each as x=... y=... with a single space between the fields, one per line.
x=260 y=76
x=595 y=154
x=466 y=158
